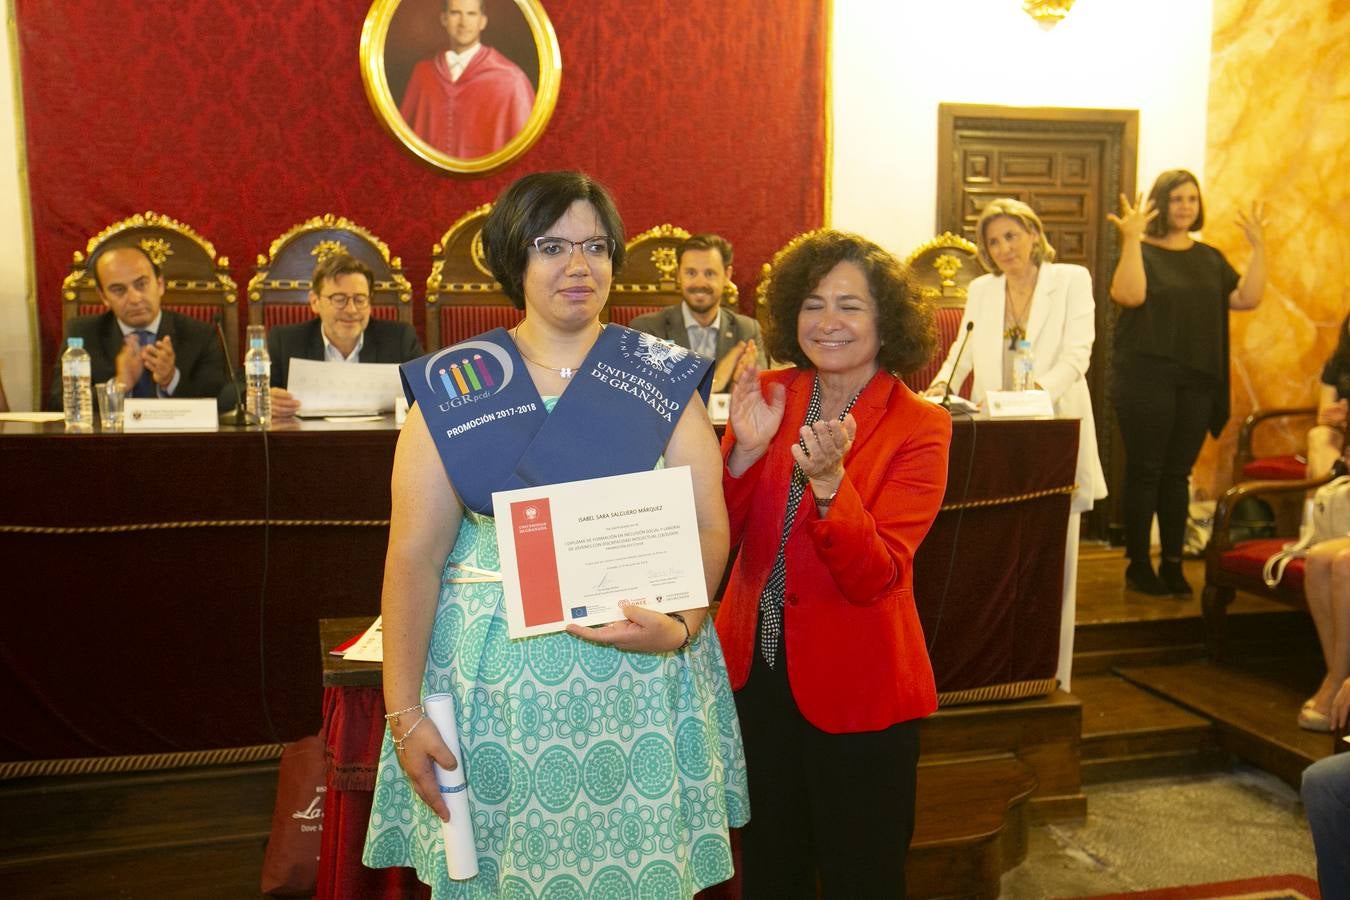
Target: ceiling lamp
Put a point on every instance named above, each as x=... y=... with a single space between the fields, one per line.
x=1047 y=13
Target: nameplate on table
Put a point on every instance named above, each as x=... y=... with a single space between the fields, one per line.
x=170 y=414
x=1019 y=405
x=719 y=408
x=573 y=552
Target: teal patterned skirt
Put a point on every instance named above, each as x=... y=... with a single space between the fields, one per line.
x=592 y=772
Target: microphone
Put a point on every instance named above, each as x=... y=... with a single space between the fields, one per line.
x=947 y=394
x=239 y=416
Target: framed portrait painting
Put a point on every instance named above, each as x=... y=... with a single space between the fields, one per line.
x=466 y=85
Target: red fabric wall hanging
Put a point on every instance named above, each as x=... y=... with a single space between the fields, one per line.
x=242 y=119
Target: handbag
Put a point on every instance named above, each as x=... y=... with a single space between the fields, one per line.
x=1325 y=516
x=291 y=864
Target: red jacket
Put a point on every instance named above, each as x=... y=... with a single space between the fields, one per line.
x=856 y=655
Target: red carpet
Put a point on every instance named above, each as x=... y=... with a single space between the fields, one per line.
x=1270 y=887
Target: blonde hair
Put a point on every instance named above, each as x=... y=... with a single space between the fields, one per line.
x=1041 y=251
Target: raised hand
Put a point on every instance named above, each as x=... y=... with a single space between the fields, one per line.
x=160 y=359
x=754 y=417
x=129 y=363
x=1133 y=219
x=1253 y=223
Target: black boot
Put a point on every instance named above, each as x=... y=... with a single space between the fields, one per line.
x=1169 y=572
x=1141 y=579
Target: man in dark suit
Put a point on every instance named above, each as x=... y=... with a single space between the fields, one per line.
x=152 y=352
x=699 y=322
x=344 y=332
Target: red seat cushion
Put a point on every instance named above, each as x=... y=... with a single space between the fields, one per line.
x=1275 y=468
x=1249 y=558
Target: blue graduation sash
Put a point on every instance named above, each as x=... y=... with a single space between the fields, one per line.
x=493 y=432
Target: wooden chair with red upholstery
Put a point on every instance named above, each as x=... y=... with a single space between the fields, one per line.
x=463 y=299
x=1293 y=423
x=944 y=268
x=647 y=282
x=278 y=292
x=197 y=283
x=1233 y=564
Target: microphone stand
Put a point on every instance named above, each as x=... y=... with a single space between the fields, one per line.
x=239 y=417
x=947 y=393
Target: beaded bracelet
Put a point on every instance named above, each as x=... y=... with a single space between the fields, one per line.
x=687 y=636
x=393 y=716
x=400 y=743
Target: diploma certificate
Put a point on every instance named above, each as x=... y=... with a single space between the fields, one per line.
x=573 y=552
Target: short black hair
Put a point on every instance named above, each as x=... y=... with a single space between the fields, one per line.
x=122 y=245
x=705 y=242
x=527 y=208
x=1163 y=187
x=904 y=319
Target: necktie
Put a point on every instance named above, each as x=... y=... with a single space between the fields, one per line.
x=145 y=387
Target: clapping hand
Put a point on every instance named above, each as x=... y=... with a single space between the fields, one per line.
x=160 y=359
x=754 y=417
x=1253 y=223
x=827 y=443
x=1133 y=219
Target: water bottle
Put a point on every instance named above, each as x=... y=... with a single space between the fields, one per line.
x=1024 y=378
x=258 y=379
x=77 y=392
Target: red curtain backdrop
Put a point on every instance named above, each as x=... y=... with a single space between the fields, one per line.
x=242 y=119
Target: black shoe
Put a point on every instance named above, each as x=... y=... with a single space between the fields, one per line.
x=1169 y=572
x=1141 y=579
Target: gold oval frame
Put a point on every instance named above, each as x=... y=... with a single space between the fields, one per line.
x=374 y=76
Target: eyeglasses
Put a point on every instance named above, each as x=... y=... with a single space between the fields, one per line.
x=340 y=301
x=593 y=248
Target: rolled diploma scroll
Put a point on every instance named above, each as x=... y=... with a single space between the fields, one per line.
x=461 y=854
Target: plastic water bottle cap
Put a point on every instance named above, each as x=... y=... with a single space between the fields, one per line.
x=75 y=342
x=256 y=344
x=1024 y=344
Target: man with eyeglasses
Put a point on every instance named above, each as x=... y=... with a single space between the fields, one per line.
x=703 y=271
x=343 y=331
x=469 y=100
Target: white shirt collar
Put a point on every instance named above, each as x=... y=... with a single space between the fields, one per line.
x=153 y=327
x=462 y=60
x=689 y=319
x=332 y=354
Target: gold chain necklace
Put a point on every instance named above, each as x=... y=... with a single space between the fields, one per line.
x=1017 y=331
x=565 y=372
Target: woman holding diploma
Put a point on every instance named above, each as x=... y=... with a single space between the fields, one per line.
x=834 y=473
x=1028 y=295
x=600 y=761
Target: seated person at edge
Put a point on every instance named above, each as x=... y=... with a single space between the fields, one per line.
x=343 y=331
x=699 y=322
x=1030 y=296
x=470 y=100
x=553 y=709
x=1326 y=798
x=153 y=352
x=834 y=474
x=1326 y=576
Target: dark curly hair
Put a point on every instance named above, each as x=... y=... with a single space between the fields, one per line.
x=530 y=205
x=904 y=319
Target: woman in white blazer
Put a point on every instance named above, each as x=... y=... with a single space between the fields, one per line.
x=1030 y=296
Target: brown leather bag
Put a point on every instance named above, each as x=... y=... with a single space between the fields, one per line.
x=291 y=865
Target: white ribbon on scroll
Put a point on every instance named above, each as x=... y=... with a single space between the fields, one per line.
x=461 y=853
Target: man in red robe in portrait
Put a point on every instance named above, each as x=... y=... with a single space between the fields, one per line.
x=470 y=100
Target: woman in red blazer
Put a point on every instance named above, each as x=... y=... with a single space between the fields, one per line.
x=822 y=640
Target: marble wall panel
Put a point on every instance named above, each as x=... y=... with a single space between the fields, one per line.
x=1279 y=130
